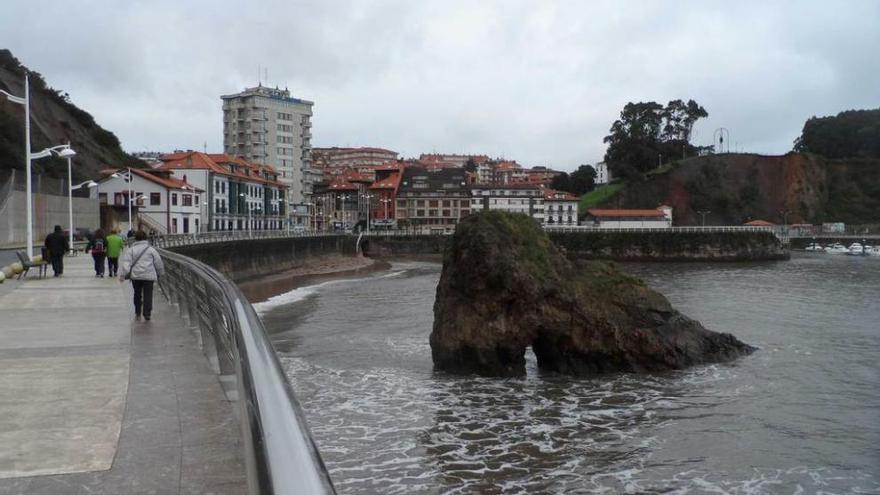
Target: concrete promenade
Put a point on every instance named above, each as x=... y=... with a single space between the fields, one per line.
x=94 y=402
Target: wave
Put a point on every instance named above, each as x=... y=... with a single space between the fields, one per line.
x=301 y=293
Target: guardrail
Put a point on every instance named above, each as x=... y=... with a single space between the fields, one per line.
x=173 y=240
x=280 y=455
x=709 y=229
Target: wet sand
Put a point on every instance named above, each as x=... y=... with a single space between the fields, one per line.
x=315 y=270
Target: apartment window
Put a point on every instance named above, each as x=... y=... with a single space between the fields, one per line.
x=196 y=199
x=173 y=225
x=465 y=203
x=447 y=203
x=446 y=213
x=433 y=204
x=155 y=199
x=216 y=206
x=223 y=187
x=217 y=186
x=432 y=213
x=187 y=200
x=420 y=213
x=174 y=201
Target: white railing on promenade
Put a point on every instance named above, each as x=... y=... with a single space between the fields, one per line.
x=173 y=240
x=707 y=229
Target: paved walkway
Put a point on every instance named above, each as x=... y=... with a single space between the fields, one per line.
x=93 y=402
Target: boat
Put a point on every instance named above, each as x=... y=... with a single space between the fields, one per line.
x=836 y=248
x=815 y=248
x=856 y=249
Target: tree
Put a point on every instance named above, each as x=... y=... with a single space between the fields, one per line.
x=580 y=181
x=583 y=179
x=561 y=182
x=647 y=131
x=470 y=165
x=854 y=133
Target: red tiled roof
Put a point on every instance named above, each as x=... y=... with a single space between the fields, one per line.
x=759 y=223
x=340 y=184
x=511 y=185
x=169 y=182
x=553 y=194
x=390 y=182
x=625 y=213
x=194 y=160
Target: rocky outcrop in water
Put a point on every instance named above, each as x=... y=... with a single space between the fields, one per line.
x=505 y=287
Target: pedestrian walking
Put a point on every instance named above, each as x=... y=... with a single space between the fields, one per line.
x=57 y=245
x=114 y=250
x=142 y=265
x=98 y=247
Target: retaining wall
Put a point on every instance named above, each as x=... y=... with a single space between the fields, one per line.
x=246 y=259
x=49 y=211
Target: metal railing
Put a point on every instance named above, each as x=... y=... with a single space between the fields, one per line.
x=280 y=455
x=173 y=240
x=710 y=229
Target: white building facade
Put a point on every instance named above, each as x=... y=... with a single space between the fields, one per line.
x=512 y=198
x=239 y=195
x=160 y=203
x=560 y=208
x=658 y=218
x=603 y=175
x=268 y=126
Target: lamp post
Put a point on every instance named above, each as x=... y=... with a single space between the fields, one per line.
x=247 y=207
x=703 y=214
x=386 y=201
x=62 y=151
x=344 y=197
x=88 y=183
x=369 y=199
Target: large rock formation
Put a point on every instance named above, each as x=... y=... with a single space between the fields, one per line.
x=505 y=287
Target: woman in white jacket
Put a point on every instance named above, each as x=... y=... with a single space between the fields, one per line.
x=145 y=265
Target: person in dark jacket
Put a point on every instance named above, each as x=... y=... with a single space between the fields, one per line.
x=57 y=245
x=98 y=247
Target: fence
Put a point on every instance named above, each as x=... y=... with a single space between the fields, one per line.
x=48 y=207
x=280 y=455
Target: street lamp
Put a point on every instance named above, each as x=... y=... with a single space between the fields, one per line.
x=247 y=207
x=703 y=214
x=369 y=200
x=88 y=183
x=344 y=197
x=62 y=151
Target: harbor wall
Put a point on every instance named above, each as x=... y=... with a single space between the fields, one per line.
x=619 y=246
x=672 y=246
x=246 y=259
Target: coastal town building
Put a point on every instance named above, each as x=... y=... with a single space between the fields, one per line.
x=266 y=125
x=432 y=201
x=560 y=208
x=511 y=198
x=362 y=160
x=657 y=218
x=384 y=196
x=240 y=195
x=603 y=175
x=160 y=203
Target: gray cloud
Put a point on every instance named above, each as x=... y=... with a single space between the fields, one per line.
x=537 y=81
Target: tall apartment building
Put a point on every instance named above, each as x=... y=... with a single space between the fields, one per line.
x=268 y=126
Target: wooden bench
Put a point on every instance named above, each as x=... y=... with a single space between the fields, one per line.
x=27 y=264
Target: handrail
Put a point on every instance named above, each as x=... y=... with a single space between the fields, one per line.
x=280 y=455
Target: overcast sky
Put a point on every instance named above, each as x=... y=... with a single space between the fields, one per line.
x=536 y=81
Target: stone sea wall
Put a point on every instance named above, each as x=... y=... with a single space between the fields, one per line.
x=246 y=259
x=635 y=246
x=673 y=246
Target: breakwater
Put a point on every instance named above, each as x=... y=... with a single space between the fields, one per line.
x=245 y=259
x=672 y=246
x=619 y=246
